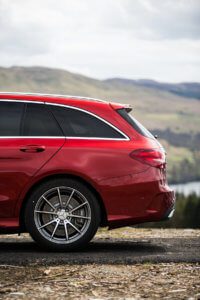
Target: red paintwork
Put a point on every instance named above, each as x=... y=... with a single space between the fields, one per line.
x=17 y=168
x=131 y=192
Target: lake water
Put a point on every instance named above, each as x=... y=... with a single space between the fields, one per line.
x=187 y=188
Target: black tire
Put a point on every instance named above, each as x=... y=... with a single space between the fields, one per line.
x=43 y=207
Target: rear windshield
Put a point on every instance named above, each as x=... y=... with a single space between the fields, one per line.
x=134 y=123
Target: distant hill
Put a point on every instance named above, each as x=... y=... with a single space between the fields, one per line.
x=185 y=89
x=159 y=105
x=42 y=78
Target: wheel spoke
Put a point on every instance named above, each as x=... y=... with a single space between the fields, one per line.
x=79 y=217
x=81 y=205
x=47 y=201
x=72 y=225
x=57 y=223
x=59 y=197
x=66 y=231
x=69 y=199
x=45 y=212
x=62 y=214
x=55 y=220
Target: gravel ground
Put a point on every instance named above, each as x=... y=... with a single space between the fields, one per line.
x=36 y=278
x=122 y=246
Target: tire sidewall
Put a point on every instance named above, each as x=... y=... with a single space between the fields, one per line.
x=39 y=238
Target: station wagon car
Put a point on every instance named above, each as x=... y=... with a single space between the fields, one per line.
x=71 y=164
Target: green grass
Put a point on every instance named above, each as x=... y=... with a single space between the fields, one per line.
x=177 y=154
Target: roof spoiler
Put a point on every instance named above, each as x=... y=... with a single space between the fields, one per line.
x=116 y=106
x=128 y=108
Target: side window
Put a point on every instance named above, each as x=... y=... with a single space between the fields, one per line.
x=10 y=118
x=76 y=123
x=38 y=121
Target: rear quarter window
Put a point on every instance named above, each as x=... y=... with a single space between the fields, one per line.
x=134 y=123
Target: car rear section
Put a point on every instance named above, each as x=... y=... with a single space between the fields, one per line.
x=146 y=194
x=127 y=170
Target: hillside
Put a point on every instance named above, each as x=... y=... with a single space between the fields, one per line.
x=162 y=108
x=171 y=110
x=185 y=89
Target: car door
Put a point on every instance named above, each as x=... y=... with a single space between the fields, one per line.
x=29 y=137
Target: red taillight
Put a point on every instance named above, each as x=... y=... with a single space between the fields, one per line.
x=152 y=157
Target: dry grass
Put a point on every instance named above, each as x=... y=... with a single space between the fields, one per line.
x=163 y=281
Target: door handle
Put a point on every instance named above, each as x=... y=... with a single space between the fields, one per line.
x=32 y=148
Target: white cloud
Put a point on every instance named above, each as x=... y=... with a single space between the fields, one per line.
x=104 y=38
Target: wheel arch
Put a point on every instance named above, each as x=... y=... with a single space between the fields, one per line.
x=67 y=176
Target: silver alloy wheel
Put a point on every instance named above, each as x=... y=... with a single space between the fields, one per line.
x=62 y=215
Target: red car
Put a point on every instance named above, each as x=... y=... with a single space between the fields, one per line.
x=69 y=165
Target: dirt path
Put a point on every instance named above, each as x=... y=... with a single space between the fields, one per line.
x=125 y=246
x=122 y=264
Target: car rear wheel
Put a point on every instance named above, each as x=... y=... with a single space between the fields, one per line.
x=62 y=214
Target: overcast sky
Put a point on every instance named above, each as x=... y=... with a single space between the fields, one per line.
x=104 y=38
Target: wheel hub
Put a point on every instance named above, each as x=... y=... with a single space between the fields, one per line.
x=62 y=214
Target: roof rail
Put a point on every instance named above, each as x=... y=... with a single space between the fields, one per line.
x=52 y=95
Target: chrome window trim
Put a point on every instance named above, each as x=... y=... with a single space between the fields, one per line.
x=23 y=101
x=126 y=138
x=59 y=137
x=32 y=137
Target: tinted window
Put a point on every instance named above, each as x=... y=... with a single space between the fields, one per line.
x=10 y=118
x=76 y=123
x=134 y=123
x=38 y=121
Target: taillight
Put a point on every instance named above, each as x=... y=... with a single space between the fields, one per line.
x=152 y=157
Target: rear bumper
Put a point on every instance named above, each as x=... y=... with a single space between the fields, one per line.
x=169 y=214
x=160 y=208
